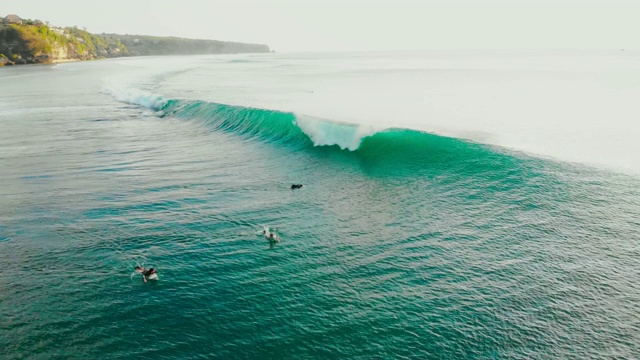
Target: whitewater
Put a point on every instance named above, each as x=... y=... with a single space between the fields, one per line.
x=575 y=106
x=456 y=204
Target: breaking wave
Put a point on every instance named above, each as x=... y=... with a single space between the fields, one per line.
x=392 y=146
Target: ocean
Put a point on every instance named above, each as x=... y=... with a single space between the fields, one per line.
x=456 y=204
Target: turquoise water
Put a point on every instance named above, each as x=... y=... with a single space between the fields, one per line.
x=401 y=244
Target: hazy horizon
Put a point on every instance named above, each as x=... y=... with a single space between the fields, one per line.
x=352 y=25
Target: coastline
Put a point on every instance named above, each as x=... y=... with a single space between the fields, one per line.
x=36 y=43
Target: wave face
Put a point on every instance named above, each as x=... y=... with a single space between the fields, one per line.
x=272 y=126
x=268 y=125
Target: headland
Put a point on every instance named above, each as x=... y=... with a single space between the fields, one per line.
x=26 y=41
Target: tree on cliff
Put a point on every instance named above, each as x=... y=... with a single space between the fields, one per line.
x=25 y=41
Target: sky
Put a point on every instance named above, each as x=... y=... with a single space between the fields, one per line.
x=353 y=25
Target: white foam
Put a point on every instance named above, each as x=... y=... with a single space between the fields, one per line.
x=128 y=94
x=327 y=133
x=573 y=106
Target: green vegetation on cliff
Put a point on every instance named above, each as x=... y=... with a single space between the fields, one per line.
x=41 y=44
x=96 y=45
x=35 y=42
x=141 y=45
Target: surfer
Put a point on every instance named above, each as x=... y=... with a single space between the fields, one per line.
x=272 y=237
x=149 y=274
x=296 y=186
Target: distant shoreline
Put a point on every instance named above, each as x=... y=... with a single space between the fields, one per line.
x=62 y=61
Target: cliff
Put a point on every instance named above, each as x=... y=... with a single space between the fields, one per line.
x=139 y=45
x=28 y=44
x=40 y=43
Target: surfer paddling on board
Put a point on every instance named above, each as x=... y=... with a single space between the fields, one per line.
x=149 y=274
x=271 y=236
